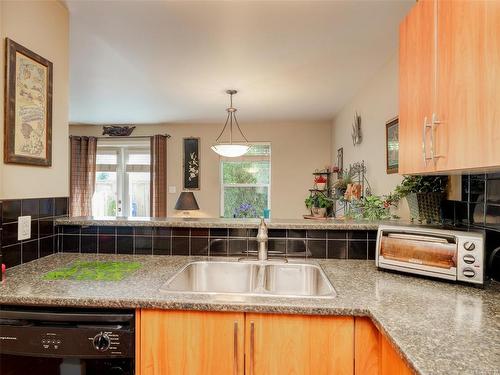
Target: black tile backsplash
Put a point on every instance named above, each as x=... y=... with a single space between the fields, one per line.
x=336 y=249
x=88 y=244
x=479 y=208
x=317 y=248
x=47 y=207
x=61 y=206
x=44 y=238
x=319 y=244
x=107 y=243
x=30 y=207
x=11 y=210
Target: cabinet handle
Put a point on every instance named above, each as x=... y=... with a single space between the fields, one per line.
x=434 y=122
x=235 y=348
x=424 y=140
x=252 y=344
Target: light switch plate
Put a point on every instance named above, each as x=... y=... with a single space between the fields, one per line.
x=23 y=227
x=172 y=189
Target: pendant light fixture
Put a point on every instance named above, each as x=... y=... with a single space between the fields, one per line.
x=231 y=149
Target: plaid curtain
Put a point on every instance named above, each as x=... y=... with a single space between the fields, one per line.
x=158 y=176
x=82 y=175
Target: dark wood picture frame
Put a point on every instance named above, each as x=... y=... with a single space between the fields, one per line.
x=391 y=128
x=12 y=50
x=190 y=160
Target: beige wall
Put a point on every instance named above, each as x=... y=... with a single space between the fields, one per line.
x=297 y=150
x=43 y=27
x=376 y=103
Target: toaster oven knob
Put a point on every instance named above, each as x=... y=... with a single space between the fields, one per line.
x=101 y=342
x=469 y=246
x=469 y=272
x=469 y=259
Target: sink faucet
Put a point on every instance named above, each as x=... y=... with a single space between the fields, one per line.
x=262 y=240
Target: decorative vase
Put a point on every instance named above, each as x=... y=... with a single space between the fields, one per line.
x=318 y=211
x=425 y=207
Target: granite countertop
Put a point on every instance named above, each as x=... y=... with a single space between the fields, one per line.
x=332 y=224
x=438 y=327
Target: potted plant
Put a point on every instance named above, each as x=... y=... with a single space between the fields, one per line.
x=424 y=195
x=318 y=204
x=320 y=182
x=373 y=207
x=340 y=186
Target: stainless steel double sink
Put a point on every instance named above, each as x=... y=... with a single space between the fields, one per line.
x=251 y=278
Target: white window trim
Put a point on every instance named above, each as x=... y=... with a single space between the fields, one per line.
x=122 y=149
x=247 y=158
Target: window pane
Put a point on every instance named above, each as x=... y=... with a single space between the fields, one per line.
x=139 y=158
x=245 y=202
x=261 y=150
x=106 y=157
x=245 y=172
x=139 y=193
x=104 y=199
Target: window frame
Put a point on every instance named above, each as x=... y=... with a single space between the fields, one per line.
x=243 y=158
x=123 y=149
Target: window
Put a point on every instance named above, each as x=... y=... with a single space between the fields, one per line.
x=246 y=183
x=122 y=178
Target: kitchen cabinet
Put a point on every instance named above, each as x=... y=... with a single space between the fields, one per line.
x=203 y=342
x=190 y=342
x=450 y=87
x=373 y=353
x=298 y=344
x=416 y=55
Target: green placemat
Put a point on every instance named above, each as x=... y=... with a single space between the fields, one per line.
x=98 y=271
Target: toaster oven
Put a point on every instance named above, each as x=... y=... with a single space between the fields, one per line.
x=446 y=254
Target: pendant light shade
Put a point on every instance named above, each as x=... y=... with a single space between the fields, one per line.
x=231 y=149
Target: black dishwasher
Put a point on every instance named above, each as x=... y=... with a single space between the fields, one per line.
x=66 y=341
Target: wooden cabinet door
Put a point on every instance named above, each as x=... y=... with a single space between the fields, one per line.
x=416 y=87
x=468 y=84
x=373 y=353
x=298 y=344
x=191 y=342
x=366 y=347
x=391 y=362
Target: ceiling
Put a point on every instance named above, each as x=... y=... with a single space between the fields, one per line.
x=159 y=61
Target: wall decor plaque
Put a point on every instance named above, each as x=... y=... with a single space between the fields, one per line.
x=28 y=107
x=191 y=163
x=392 y=145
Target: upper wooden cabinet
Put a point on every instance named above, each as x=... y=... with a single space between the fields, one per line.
x=416 y=94
x=450 y=87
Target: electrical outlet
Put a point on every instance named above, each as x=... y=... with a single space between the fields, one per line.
x=23 y=227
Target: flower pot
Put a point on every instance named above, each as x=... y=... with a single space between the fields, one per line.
x=425 y=207
x=321 y=185
x=318 y=211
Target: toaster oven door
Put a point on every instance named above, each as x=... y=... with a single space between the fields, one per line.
x=426 y=254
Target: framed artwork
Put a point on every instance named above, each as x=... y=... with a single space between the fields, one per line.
x=191 y=163
x=392 y=145
x=340 y=161
x=28 y=107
